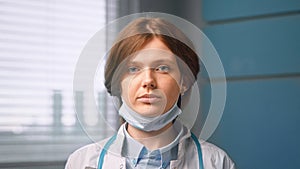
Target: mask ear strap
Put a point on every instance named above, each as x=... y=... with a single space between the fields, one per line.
x=179 y=101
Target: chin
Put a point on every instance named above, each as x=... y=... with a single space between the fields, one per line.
x=151 y=110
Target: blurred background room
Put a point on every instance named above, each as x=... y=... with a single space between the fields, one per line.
x=258 y=42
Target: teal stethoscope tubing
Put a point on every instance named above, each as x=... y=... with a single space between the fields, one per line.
x=113 y=138
x=104 y=150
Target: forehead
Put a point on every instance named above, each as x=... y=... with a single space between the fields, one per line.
x=152 y=56
x=154 y=51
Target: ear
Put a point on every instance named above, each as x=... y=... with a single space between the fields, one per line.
x=183 y=89
x=183 y=86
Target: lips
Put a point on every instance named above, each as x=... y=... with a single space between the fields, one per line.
x=149 y=98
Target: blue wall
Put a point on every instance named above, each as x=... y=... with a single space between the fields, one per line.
x=259 y=45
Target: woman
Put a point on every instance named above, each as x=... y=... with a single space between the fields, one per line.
x=151 y=69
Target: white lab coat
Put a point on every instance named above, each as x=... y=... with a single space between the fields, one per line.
x=213 y=157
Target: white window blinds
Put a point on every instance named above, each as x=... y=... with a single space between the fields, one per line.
x=40 y=41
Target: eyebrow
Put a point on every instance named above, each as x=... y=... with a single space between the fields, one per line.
x=170 y=61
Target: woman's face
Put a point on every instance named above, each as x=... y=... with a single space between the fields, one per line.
x=151 y=85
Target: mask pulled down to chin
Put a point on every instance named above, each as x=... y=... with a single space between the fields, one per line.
x=148 y=123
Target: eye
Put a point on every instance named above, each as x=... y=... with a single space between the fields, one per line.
x=163 y=68
x=133 y=69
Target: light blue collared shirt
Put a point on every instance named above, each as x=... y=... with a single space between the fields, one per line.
x=138 y=156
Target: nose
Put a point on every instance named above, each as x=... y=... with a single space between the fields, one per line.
x=148 y=79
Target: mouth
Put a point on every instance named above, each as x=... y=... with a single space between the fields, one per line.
x=149 y=98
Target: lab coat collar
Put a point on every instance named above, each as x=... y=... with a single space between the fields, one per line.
x=115 y=150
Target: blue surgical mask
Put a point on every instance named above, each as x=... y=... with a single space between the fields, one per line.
x=148 y=123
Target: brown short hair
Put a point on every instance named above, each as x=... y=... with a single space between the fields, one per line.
x=140 y=32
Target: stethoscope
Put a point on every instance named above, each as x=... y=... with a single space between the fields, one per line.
x=113 y=138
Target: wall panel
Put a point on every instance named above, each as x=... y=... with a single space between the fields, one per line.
x=232 y=9
x=258 y=47
x=260 y=124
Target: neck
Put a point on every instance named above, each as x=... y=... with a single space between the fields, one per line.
x=153 y=139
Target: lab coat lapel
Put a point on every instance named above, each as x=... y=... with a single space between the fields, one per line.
x=187 y=155
x=114 y=161
x=113 y=158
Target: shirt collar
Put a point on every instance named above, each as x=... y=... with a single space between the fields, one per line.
x=131 y=147
x=135 y=151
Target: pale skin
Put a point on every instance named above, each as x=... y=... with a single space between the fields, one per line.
x=151 y=87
